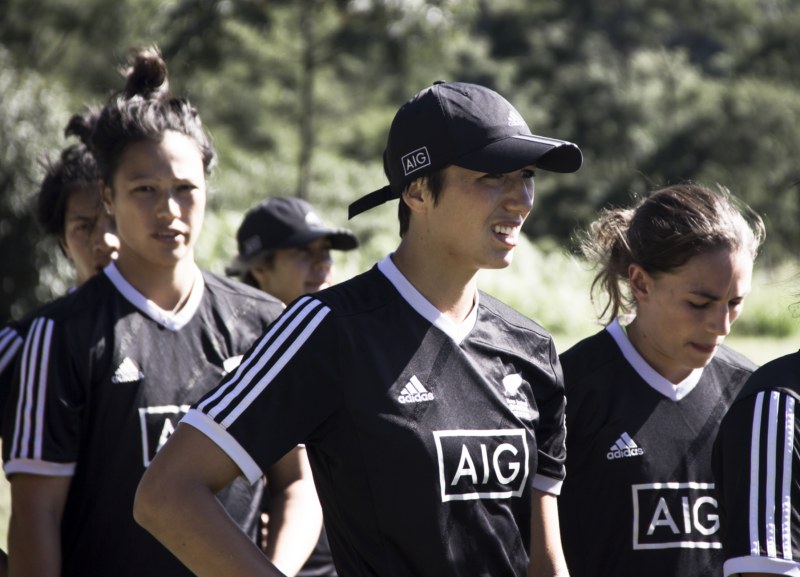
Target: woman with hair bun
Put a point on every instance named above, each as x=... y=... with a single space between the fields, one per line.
x=645 y=395
x=106 y=374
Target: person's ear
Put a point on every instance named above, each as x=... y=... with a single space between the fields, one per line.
x=415 y=194
x=640 y=281
x=107 y=195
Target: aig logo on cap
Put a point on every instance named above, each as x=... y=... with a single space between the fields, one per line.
x=415 y=160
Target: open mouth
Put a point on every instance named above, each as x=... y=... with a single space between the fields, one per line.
x=508 y=234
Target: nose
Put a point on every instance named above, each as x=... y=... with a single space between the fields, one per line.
x=522 y=192
x=721 y=321
x=168 y=205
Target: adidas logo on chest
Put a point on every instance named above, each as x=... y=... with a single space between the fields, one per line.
x=127 y=372
x=414 y=392
x=624 y=448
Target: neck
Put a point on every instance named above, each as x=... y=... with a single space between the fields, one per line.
x=452 y=292
x=642 y=342
x=167 y=286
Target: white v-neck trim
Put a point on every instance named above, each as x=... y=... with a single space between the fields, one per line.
x=457 y=332
x=650 y=376
x=170 y=321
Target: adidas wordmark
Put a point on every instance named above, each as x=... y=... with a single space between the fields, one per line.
x=414 y=392
x=624 y=447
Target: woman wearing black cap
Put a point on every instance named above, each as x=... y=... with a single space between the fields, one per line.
x=432 y=413
x=284 y=248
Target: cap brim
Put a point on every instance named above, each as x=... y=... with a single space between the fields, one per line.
x=518 y=151
x=341 y=239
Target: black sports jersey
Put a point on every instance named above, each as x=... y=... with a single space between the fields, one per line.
x=638 y=498
x=11 y=338
x=756 y=467
x=104 y=379
x=10 y=344
x=424 y=436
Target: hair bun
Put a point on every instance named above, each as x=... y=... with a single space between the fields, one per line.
x=146 y=74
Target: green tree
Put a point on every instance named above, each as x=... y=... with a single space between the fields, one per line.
x=32 y=116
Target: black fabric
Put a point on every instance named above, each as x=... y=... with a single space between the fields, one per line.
x=117 y=383
x=645 y=506
x=466 y=125
x=755 y=463
x=423 y=448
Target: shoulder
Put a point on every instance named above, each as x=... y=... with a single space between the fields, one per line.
x=72 y=305
x=733 y=360
x=782 y=373
x=499 y=312
x=239 y=299
x=503 y=328
x=590 y=355
x=233 y=289
x=364 y=293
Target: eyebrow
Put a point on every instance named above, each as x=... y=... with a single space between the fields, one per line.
x=79 y=217
x=706 y=295
x=713 y=297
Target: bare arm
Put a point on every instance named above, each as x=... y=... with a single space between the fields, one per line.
x=295 y=518
x=547 y=556
x=176 y=502
x=34 y=531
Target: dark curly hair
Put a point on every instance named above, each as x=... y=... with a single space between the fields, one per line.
x=74 y=170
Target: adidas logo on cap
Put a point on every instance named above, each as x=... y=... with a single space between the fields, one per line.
x=127 y=372
x=414 y=392
x=624 y=447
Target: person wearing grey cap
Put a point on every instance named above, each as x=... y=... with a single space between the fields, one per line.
x=432 y=413
x=284 y=248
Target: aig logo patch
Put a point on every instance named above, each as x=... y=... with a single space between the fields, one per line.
x=157 y=424
x=482 y=464
x=415 y=160
x=675 y=515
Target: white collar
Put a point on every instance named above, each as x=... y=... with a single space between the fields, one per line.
x=648 y=373
x=457 y=332
x=167 y=319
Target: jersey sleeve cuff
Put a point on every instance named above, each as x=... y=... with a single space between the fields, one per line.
x=211 y=429
x=761 y=565
x=36 y=467
x=547 y=484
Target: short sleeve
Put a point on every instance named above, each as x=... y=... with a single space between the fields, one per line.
x=755 y=462
x=41 y=433
x=551 y=429
x=281 y=393
x=10 y=346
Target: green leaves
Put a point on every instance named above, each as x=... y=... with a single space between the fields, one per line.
x=298 y=96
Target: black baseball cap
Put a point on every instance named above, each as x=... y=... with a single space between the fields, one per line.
x=467 y=125
x=283 y=222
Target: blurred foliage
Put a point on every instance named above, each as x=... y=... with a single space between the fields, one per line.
x=298 y=96
x=32 y=116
